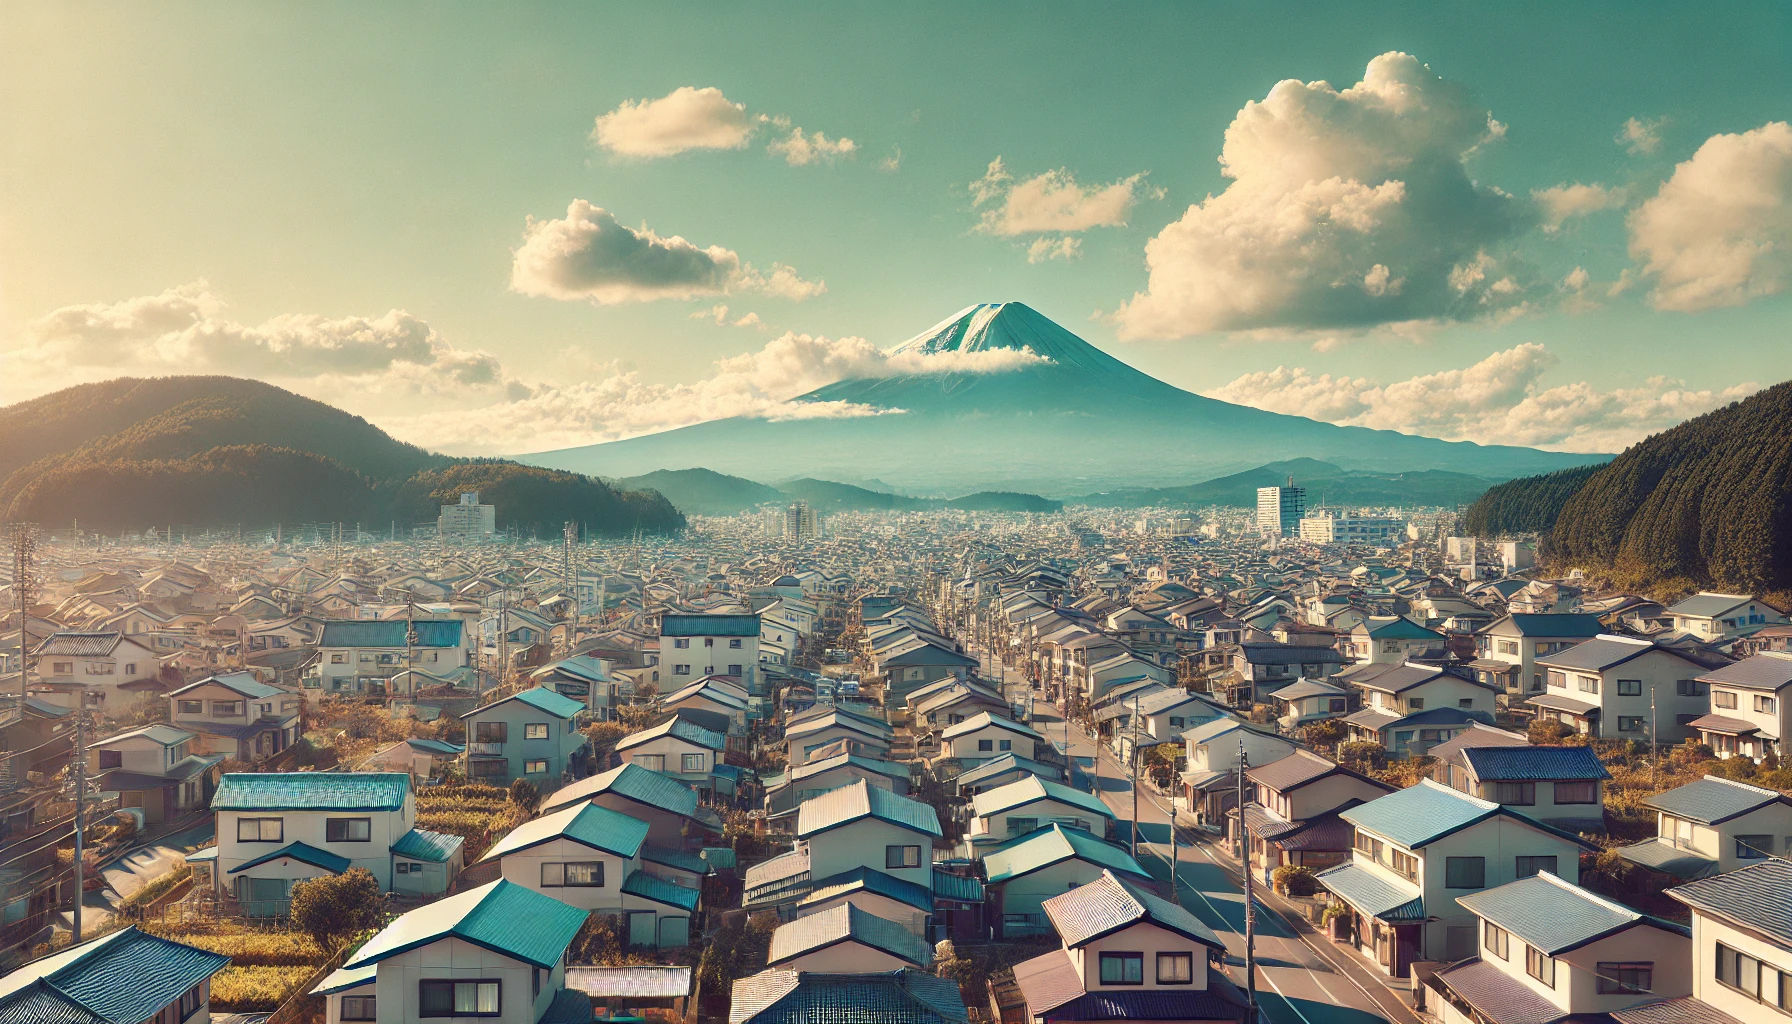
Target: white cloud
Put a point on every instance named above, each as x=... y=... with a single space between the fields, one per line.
x=893 y=162
x=184 y=330
x=1048 y=248
x=798 y=149
x=1326 y=186
x=1641 y=136
x=1564 y=202
x=1051 y=202
x=588 y=255
x=681 y=121
x=1499 y=400
x=756 y=384
x=1719 y=231
x=718 y=315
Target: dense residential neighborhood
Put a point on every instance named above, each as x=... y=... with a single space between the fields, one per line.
x=956 y=766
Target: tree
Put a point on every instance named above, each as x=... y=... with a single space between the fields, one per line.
x=604 y=737
x=1362 y=755
x=525 y=796
x=1548 y=732
x=737 y=949
x=334 y=907
x=1327 y=732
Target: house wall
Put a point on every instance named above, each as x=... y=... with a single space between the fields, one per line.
x=994 y=827
x=673 y=750
x=801 y=746
x=1707 y=932
x=524 y=868
x=844 y=958
x=333 y=1003
x=562 y=740
x=862 y=843
x=1442 y=692
x=1672 y=978
x=1775 y=725
x=308 y=827
x=710 y=656
x=145 y=756
x=964 y=747
x=1148 y=939
x=453 y=959
x=1546 y=807
x=1719 y=842
x=1501 y=840
x=1316 y=798
x=1028 y=893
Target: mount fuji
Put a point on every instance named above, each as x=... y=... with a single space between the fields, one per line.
x=1080 y=422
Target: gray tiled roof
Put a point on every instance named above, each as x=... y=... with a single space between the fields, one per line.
x=1369 y=892
x=1602 y=652
x=1551 y=914
x=1529 y=764
x=1713 y=800
x=861 y=800
x=800 y=997
x=845 y=923
x=1497 y=995
x=1766 y=671
x=1685 y=1010
x=1108 y=905
x=1659 y=855
x=1758 y=896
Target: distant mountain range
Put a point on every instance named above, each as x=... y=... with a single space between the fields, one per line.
x=1705 y=504
x=1325 y=483
x=708 y=493
x=1083 y=422
x=205 y=452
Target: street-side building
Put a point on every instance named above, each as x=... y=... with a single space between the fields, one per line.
x=985 y=737
x=696 y=645
x=1024 y=872
x=1712 y=826
x=1294 y=815
x=1017 y=809
x=1518 y=639
x=530 y=735
x=1741 y=950
x=1618 y=687
x=106 y=670
x=154 y=768
x=235 y=715
x=1750 y=712
x=362 y=655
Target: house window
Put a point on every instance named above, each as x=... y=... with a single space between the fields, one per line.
x=1415 y=703
x=735 y=643
x=1175 y=723
x=1465 y=872
x=1630 y=723
x=681 y=643
x=1515 y=794
x=1540 y=965
x=1577 y=792
x=190 y=707
x=989 y=745
x=539 y=766
x=1738 y=970
x=259 y=830
x=1497 y=940
x=1690 y=688
x=1021 y=826
x=490 y=768
x=1005 y=745
x=1175 y=968
x=1625 y=979
x=1466 y=702
x=457 y=998
x=681 y=670
x=654 y=762
x=1763 y=705
x=1123 y=968
x=1588 y=684
x=1406 y=865
x=1337 y=705
x=1528 y=866
x=111 y=759
x=359 y=1008
x=1753 y=847
x=588 y=874
x=491 y=732
x=902 y=856
x=348 y=830
x=1508 y=646
x=1724 y=699
x=734 y=670
x=535 y=731
x=62 y=668
x=692 y=763
x=709 y=641
x=227 y=708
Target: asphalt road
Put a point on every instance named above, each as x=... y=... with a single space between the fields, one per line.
x=1299 y=982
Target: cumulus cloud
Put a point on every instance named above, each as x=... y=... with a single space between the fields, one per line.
x=1719 y=231
x=683 y=120
x=720 y=316
x=798 y=149
x=589 y=255
x=1499 y=400
x=184 y=330
x=688 y=119
x=762 y=384
x=1051 y=202
x=1641 y=136
x=1044 y=249
x=1327 y=185
x=1565 y=202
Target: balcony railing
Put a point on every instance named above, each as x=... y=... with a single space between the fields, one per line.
x=486 y=749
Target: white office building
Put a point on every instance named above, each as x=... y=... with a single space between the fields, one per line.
x=468 y=520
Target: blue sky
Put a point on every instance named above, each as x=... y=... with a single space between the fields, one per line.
x=334 y=199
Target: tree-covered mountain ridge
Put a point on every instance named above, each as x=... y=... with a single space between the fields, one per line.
x=203 y=452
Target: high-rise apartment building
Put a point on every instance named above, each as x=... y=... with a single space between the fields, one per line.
x=468 y=520
x=1279 y=510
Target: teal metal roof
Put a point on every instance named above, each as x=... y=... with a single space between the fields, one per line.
x=1420 y=814
x=675 y=858
x=586 y=823
x=642 y=785
x=123 y=977
x=721 y=858
x=1552 y=915
x=907 y=996
x=304 y=853
x=502 y=916
x=866 y=879
x=1050 y=845
x=419 y=844
x=862 y=800
x=1033 y=789
x=429 y=746
x=959 y=888
x=389 y=633
x=846 y=923
x=709 y=625
x=1369 y=892
x=342 y=979
x=650 y=886
x=680 y=728
x=312 y=791
x=541 y=699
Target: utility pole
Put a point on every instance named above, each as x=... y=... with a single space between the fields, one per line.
x=80 y=804
x=1250 y=900
x=1132 y=752
x=410 y=649
x=1654 y=761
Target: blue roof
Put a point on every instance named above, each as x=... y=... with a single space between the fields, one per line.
x=389 y=633
x=501 y=916
x=650 y=886
x=1553 y=915
x=642 y=785
x=907 y=996
x=709 y=625
x=1373 y=894
x=866 y=879
x=1758 y=896
x=1052 y=844
x=1420 y=814
x=420 y=844
x=540 y=698
x=1713 y=800
x=312 y=791
x=304 y=853
x=587 y=823
x=1538 y=764
x=429 y=746
x=121 y=978
x=673 y=857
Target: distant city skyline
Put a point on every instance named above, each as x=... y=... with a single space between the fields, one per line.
x=501 y=230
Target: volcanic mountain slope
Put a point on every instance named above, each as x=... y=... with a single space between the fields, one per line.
x=1082 y=422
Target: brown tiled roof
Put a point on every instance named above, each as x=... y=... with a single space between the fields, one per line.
x=1685 y=1010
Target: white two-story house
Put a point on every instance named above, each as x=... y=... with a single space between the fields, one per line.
x=235 y=715
x=1749 y=707
x=1618 y=687
x=1714 y=825
x=1741 y=951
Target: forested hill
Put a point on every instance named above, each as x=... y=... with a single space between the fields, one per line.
x=221 y=451
x=1526 y=505
x=1707 y=503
